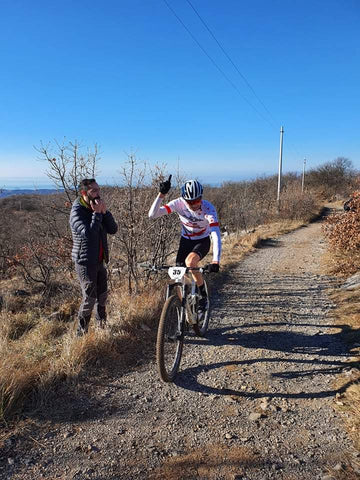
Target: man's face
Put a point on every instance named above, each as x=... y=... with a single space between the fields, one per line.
x=194 y=204
x=93 y=191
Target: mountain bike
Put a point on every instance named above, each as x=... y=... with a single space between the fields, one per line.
x=180 y=311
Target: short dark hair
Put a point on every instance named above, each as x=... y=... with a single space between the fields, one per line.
x=85 y=182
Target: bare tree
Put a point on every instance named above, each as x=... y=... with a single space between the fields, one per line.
x=138 y=239
x=68 y=164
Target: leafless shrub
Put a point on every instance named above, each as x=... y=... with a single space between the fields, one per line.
x=138 y=239
x=343 y=233
x=332 y=179
x=68 y=164
x=297 y=205
x=245 y=205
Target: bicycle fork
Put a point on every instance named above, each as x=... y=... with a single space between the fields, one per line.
x=192 y=302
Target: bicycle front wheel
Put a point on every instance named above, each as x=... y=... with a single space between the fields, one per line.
x=170 y=339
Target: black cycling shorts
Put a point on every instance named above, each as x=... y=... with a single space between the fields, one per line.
x=186 y=246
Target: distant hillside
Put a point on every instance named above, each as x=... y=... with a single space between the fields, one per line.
x=26 y=191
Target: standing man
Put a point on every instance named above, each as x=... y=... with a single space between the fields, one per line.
x=199 y=224
x=90 y=223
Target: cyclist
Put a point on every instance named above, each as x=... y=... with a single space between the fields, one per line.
x=199 y=223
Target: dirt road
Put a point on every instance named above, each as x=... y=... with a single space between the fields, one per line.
x=254 y=400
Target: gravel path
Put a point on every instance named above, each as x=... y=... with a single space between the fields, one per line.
x=253 y=401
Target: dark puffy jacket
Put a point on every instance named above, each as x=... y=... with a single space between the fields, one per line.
x=87 y=228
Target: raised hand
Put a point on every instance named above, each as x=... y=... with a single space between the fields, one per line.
x=164 y=187
x=98 y=205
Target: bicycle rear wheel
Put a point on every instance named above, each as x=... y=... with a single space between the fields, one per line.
x=170 y=339
x=203 y=323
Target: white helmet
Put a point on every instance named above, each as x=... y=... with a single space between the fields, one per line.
x=191 y=190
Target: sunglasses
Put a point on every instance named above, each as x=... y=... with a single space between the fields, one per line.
x=194 y=202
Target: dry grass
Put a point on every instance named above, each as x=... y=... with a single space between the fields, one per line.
x=36 y=352
x=209 y=462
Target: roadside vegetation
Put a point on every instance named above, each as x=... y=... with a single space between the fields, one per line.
x=342 y=230
x=39 y=295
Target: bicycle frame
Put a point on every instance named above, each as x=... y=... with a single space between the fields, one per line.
x=188 y=298
x=180 y=310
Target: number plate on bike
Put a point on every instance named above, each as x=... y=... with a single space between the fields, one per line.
x=176 y=273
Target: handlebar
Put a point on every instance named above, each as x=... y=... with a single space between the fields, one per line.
x=158 y=268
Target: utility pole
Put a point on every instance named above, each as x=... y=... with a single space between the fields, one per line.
x=303 y=177
x=280 y=169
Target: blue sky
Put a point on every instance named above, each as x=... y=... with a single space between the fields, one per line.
x=128 y=76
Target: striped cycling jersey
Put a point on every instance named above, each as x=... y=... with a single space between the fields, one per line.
x=195 y=225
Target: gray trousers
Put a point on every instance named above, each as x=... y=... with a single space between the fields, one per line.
x=93 y=283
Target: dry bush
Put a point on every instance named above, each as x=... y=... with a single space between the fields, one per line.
x=244 y=205
x=342 y=231
x=332 y=179
x=297 y=205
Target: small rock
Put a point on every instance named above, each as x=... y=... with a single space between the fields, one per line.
x=11 y=461
x=8 y=442
x=144 y=327
x=228 y=436
x=338 y=467
x=20 y=293
x=229 y=399
x=68 y=434
x=255 y=416
x=274 y=408
x=92 y=448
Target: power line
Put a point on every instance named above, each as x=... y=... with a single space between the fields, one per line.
x=230 y=60
x=222 y=72
x=237 y=69
x=215 y=64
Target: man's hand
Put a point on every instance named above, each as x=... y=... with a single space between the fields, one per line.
x=214 y=267
x=98 y=205
x=164 y=187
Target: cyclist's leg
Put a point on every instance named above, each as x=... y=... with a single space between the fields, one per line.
x=192 y=261
x=200 y=249
x=185 y=247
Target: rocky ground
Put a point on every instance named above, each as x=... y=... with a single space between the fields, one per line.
x=254 y=400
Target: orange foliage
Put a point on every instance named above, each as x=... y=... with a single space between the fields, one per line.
x=343 y=229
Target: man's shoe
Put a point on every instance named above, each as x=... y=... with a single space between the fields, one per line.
x=80 y=331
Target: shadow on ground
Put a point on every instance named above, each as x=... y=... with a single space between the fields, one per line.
x=320 y=348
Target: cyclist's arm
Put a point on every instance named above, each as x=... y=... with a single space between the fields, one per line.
x=215 y=235
x=216 y=242
x=156 y=210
